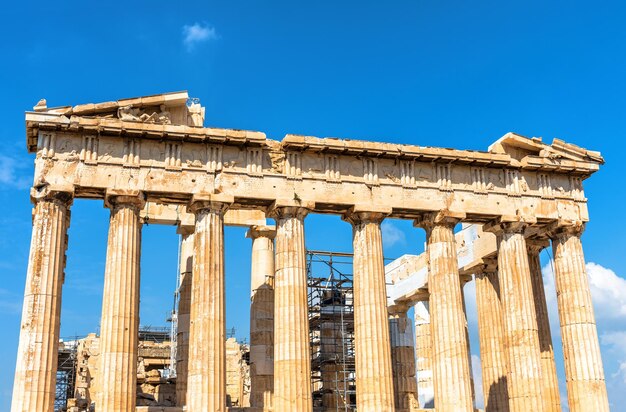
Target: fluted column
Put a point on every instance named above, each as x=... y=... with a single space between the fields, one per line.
x=520 y=324
x=374 y=377
x=184 y=307
x=423 y=355
x=402 y=359
x=35 y=371
x=451 y=369
x=292 y=359
x=262 y=317
x=491 y=340
x=584 y=374
x=550 y=382
x=206 y=376
x=119 y=326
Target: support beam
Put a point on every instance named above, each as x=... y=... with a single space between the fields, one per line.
x=292 y=359
x=423 y=355
x=518 y=309
x=374 y=377
x=550 y=382
x=491 y=338
x=262 y=317
x=403 y=360
x=184 y=307
x=584 y=374
x=119 y=327
x=206 y=378
x=453 y=390
x=35 y=371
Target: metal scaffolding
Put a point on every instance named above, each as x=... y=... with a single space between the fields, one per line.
x=331 y=327
x=66 y=374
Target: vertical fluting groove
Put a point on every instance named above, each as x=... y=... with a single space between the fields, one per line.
x=550 y=383
x=35 y=372
x=262 y=318
x=120 y=311
x=450 y=356
x=518 y=310
x=206 y=376
x=292 y=361
x=423 y=354
x=584 y=374
x=374 y=376
x=403 y=362
x=184 y=307
x=491 y=340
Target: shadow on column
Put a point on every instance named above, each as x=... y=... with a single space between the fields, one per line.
x=498 y=400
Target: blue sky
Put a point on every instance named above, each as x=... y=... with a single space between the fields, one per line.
x=448 y=74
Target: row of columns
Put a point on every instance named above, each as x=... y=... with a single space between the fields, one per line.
x=516 y=368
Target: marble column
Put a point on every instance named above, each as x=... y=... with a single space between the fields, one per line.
x=206 y=376
x=374 y=377
x=292 y=359
x=35 y=371
x=550 y=382
x=491 y=340
x=119 y=326
x=184 y=307
x=451 y=369
x=262 y=317
x=520 y=325
x=423 y=356
x=402 y=359
x=584 y=374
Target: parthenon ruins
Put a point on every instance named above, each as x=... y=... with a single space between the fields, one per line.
x=513 y=200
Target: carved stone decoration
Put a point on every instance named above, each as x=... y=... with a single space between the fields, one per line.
x=370 y=171
x=215 y=158
x=131 y=153
x=135 y=114
x=443 y=176
x=545 y=184
x=46 y=144
x=89 y=152
x=254 y=161
x=407 y=173
x=331 y=168
x=173 y=155
x=512 y=181
x=293 y=165
x=479 y=182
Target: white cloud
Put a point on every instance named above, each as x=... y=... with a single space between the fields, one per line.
x=608 y=293
x=391 y=234
x=197 y=33
x=9 y=173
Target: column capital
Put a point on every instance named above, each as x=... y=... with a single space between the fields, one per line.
x=440 y=218
x=185 y=229
x=217 y=202
x=286 y=208
x=358 y=214
x=64 y=196
x=117 y=198
x=489 y=265
x=535 y=246
x=261 y=231
x=509 y=224
x=563 y=228
x=398 y=310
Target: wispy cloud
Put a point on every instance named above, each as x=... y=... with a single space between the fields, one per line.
x=11 y=173
x=198 y=33
x=391 y=234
